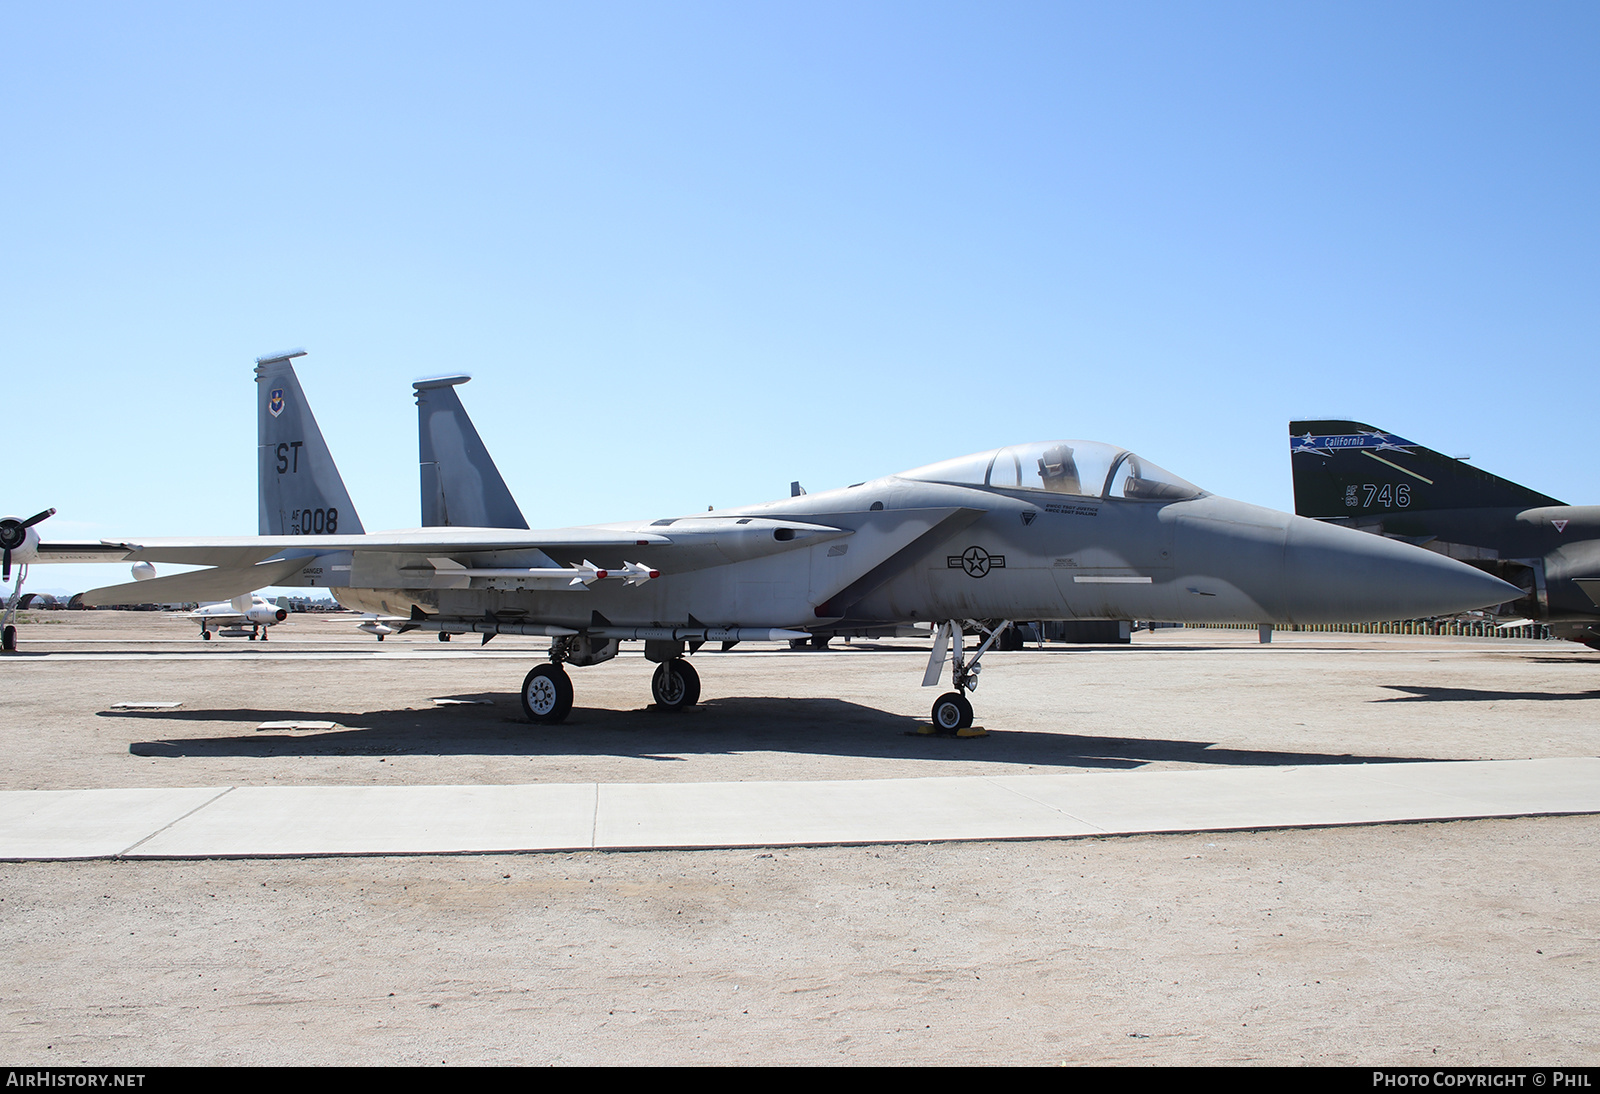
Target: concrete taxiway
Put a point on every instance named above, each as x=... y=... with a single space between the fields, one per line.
x=1466 y=941
x=233 y=822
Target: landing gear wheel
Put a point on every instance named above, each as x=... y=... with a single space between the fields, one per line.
x=205 y=636
x=951 y=712
x=675 y=685
x=8 y=640
x=820 y=641
x=444 y=636
x=546 y=694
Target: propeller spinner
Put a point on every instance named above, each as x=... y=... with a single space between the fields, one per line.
x=13 y=535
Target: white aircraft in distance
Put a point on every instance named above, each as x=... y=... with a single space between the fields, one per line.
x=1049 y=530
x=229 y=618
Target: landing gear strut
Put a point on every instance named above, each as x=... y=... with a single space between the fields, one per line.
x=952 y=711
x=8 y=618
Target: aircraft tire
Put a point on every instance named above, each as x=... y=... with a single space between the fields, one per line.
x=951 y=712
x=820 y=641
x=546 y=694
x=675 y=685
x=205 y=636
x=8 y=640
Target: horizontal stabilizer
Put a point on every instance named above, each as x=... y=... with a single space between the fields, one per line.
x=1590 y=587
x=198 y=585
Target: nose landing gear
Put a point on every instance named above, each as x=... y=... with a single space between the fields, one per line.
x=952 y=712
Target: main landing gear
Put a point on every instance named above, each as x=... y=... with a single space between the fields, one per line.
x=547 y=690
x=8 y=617
x=547 y=694
x=951 y=711
x=675 y=685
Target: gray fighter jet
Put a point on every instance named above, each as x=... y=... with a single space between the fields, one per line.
x=1049 y=530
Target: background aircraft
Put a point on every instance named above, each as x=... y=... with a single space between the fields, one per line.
x=1350 y=473
x=1058 y=529
x=230 y=618
x=19 y=542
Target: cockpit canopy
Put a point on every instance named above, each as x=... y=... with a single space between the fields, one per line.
x=1086 y=469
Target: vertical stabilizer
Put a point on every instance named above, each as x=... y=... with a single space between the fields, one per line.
x=301 y=492
x=1349 y=469
x=461 y=487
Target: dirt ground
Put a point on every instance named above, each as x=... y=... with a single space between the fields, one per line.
x=1471 y=942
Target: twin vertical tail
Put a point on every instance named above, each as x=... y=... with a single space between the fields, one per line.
x=461 y=487
x=1353 y=471
x=301 y=491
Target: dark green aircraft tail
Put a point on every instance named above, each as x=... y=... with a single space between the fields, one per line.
x=1351 y=470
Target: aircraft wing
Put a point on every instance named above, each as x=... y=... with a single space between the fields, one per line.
x=242 y=563
x=236 y=551
x=100 y=550
x=222 y=583
x=221 y=619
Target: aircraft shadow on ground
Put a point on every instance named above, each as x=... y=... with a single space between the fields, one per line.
x=816 y=726
x=1413 y=694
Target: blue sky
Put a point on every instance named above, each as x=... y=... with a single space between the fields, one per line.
x=692 y=251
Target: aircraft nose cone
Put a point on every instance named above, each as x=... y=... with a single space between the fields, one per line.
x=1339 y=575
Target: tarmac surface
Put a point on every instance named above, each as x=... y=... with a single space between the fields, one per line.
x=1469 y=942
